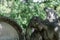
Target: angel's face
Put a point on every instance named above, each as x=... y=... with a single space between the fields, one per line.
x=51 y=15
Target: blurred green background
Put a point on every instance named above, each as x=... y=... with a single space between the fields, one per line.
x=23 y=10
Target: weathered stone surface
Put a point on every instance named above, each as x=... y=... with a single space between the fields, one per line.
x=7 y=32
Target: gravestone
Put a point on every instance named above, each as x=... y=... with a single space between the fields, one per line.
x=9 y=29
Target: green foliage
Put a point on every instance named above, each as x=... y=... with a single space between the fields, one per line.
x=23 y=12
